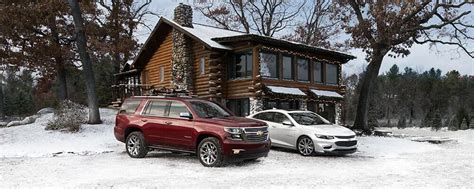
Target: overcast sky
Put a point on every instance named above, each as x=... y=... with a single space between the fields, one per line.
x=422 y=57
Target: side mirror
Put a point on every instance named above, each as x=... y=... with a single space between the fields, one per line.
x=287 y=123
x=186 y=115
x=122 y=111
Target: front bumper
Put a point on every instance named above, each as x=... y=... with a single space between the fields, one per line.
x=336 y=146
x=242 y=150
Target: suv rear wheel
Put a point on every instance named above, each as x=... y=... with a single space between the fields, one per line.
x=209 y=152
x=135 y=145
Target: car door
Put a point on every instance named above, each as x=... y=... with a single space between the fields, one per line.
x=284 y=135
x=152 y=121
x=177 y=132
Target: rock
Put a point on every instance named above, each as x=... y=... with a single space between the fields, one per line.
x=46 y=111
x=28 y=120
x=13 y=123
x=3 y=123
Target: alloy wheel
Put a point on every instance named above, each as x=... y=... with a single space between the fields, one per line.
x=133 y=145
x=306 y=146
x=208 y=153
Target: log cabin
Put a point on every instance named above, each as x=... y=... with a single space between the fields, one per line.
x=246 y=72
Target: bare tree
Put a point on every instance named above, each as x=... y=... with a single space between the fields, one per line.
x=88 y=72
x=318 y=26
x=118 y=22
x=390 y=28
x=265 y=17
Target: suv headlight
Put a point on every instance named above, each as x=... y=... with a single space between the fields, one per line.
x=235 y=133
x=327 y=137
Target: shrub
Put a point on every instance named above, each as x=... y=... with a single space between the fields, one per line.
x=402 y=122
x=436 y=121
x=69 y=117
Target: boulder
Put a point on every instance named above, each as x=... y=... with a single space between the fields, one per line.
x=13 y=123
x=3 y=123
x=46 y=111
x=28 y=120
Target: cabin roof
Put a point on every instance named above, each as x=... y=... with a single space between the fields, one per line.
x=217 y=38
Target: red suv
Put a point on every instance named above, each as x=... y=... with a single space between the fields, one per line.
x=185 y=124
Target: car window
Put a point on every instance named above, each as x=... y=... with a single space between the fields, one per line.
x=176 y=108
x=206 y=109
x=156 y=108
x=267 y=116
x=129 y=106
x=307 y=118
x=279 y=117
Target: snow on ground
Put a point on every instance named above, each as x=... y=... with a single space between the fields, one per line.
x=381 y=162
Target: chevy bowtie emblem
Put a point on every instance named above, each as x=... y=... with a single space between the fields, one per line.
x=259 y=133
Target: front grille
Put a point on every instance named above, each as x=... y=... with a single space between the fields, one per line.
x=346 y=143
x=345 y=137
x=256 y=134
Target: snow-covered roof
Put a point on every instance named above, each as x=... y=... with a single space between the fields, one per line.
x=326 y=93
x=286 y=90
x=206 y=33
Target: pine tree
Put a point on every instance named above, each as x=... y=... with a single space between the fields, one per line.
x=372 y=117
x=453 y=124
x=428 y=121
x=402 y=122
x=464 y=125
x=436 y=121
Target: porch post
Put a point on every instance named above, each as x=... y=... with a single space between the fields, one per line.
x=256 y=105
x=338 y=117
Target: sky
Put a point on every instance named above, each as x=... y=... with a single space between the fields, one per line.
x=422 y=57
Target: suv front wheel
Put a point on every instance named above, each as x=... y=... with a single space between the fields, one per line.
x=209 y=152
x=135 y=145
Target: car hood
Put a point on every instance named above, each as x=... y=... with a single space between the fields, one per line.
x=333 y=130
x=237 y=122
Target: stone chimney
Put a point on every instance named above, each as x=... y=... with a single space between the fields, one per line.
x=183 y=15
x=182 y=52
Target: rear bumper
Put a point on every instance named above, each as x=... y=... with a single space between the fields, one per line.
x=119 y=134
x=239 y=150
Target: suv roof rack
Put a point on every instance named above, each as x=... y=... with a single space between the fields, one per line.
x=164 y=92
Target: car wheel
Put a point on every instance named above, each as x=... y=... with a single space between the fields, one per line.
x=209 y=152
x=135 y=145
x=305 y=146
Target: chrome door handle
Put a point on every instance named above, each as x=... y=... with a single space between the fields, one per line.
x=144 y=120
x=168 y=122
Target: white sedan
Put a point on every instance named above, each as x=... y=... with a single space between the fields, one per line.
x=307 y=132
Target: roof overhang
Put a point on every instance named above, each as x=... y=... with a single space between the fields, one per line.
x=287 y=44
x=324 y=93
x=286 y=90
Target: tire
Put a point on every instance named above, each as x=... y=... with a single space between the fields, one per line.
x=135 y=145
x=305 y=146
x=209 y=152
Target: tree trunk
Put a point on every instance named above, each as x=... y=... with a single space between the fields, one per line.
x=366 y=88
x=2 y=104
x=88 y=72
x=62 y=81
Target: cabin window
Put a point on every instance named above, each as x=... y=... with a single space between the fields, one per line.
x=241 y=67
x=331 y=74
x=303 y=69
x=288 y=72
x=176 y=108
x=240 y=107
x=318 y=72
x=281 y=104
x=202 y=66
x=269 y=65
x=162 y=74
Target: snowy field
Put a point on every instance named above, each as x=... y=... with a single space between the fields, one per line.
x=31 y=157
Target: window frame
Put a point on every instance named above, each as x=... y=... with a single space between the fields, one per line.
x=202 y=66
x=292 y=66
x=314 y=72
x=248 y=71
x=298 y=71
x=277 y=64
x=326 y=75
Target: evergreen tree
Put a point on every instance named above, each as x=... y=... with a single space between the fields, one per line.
x=453 y=124
x=464 y=125
x=402 y=122
x=436 y=121
x=372 y=117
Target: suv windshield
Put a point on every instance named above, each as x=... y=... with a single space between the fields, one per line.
x=308 y=118
x=208 y=109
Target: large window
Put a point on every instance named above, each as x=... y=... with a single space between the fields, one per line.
x=240 y=107
x=241 y=66
x=288 y=72
x=156 y=108
x=269 y=65
x=303 y=69
x=202 y=66
x=281 y=104
x=318 y=72
x=177 y=108
x=331 y=74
